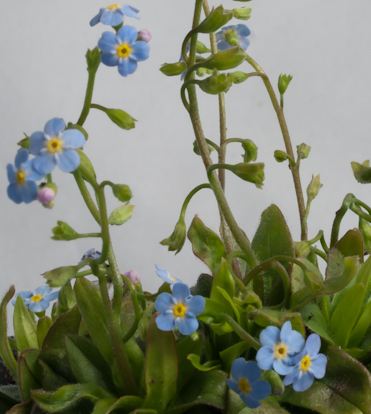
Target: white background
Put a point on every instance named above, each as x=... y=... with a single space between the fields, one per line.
x=325 y=45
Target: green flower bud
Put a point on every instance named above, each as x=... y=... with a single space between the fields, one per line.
x=64 y=232
x=216 y=84
x=226 y=59
x=196 y=149
x=239 y=77
x=362 y=172
x=302 y=249
x=280 y=156
x=231 y=38
x=242 y=13
x=173 y=69
x=254 y=173
x=314 y=187
x=215 y=20
x=201 y=72
x=121 y=214
x=365 y=229
x=121 y=118
x=251 y=150
x=25 y=142
x=201 y=48
x=177 y=238
x=303 y=150
x=283 y=82
x=93 y=59
x=85 y=165
x=122 y=192
x=61 y=275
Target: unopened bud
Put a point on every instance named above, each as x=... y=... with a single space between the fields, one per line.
x=144 y=35
x=231 y=37
x=251 y=150
x=133 y=276
x=314 y=187
x=177 y=238
x=201 y=72
x=303 y=150
x=46 y=194
x=283 y=82
x=280 y=156
x=254 y=173
x=242 y=13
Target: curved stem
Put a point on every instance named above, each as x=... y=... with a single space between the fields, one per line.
x=88 y=97
x=230 y=260
x=319 y=253
x=318 y=237
x=287 y=140
x=347 y=202
x=286 y=285
x=190 y=195
x=360 y=213
x=240 y=331
x=362 y=204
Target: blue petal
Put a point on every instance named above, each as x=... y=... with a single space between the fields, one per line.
x=281 y=367
x=28 y=191
x=39 y=306
x=73 y=138
x=269 y=336
x=286 y=331
x=24 y=294
x=244 y=42
x=219 y=36
x=181 y=292
x=11 y=173
x=196 y=305
x=139 y=51
x=164 y=302
x=44 y=163
x=108 y=42
x=42 y=290
x=313 y=344
x=260 y=390
x=111 y=17
x=21 y=157
x=293 y=376
x=96 y=19
x=127 y=67
x=242 y=30
x=297 y=358
x=31 y=173
x=187 y=325
x=130 y=12
x=318 y=366
x=304 y=382
x=166 y=276
x=251 y=371
x=37 y=142
x=127 y=34
x=223 y=45
x=54 y=127
x=265 y=357
x=233 y=385
x=51 y=296
x=251 y=403
x=68 y=161
x=165 y=322
x=109 y=59
x=237 y=367
x=14 y=193
x=296 y=342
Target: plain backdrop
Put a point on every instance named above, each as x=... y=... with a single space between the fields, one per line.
x=325 y=45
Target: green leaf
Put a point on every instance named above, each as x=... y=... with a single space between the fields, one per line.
x=10 y=393
x=85 y=165
x=43 y=326
x=233 y=352
x=68 y=396
x=213 y=309
x=185 y=347
x=346 y=315
x=223 y=280
x=365 y=229
x=121 y=118
x=66 y=299
x=362 y=172
x=351 y=244
x=92 y=310
x=314 y=319
x=272 y=238
x=206 y=245
x=121 y=214
x=23 y=408
x=361 y=327
x=215 y=20
x=27 y=378
x=207 y=366
x=24 y=326
x=5 y=349
x=61 y=275
x=348 y=378
x=161 y=368
x=51 y=381
x=129 y=403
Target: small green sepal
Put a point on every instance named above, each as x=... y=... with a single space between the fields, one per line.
x=85 y=165
x=254 y=173
x=303 y=150
x=64 y=232
x=177 y=238
x=362 y=172
x=201 y=48
x=25 y=142
x=283 y=83
x=173 y=69
x=239 y=77
x=121 y=214
x=314 y=187
x=122 y=192
x=242 y=13
x=121 y=118
x=215 y=20
x=196 y=149
x=251 y=150
x=93 y=59
x=280 y=156
x=216 y=84
x=226 y=59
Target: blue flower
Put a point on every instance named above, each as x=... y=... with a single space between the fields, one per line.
x=179 y=309
x=38 y=300
x=123 y=50
x=91 y=254
x=22 y=179
x=309 y=364
x=233 y=35
x=114 y=15
x=188 y=48
x=166 y=277
x=55 y=146
x=278 y=348
x=245 y=382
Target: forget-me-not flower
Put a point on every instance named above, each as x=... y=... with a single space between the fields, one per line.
x=38 y=300
x=91 y=254
x=167 y=277
x=114 y=15
x=179 y=309
x=245 y=382
x=122 y=50
x=309 y=364
x=232 y=36
x=278 y=348
x=22 y=179
x=56 y=146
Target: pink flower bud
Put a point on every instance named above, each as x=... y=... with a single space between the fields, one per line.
x=45 y=195
x=144 y=35
x=133 y=276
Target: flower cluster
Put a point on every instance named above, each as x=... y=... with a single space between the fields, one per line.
x=54 y=146
x=286 y=353
x=38 y=300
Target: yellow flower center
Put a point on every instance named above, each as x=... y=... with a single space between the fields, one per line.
x=20 y=177
x=244 y=385
x=114 y=6
x=54 y=145
x=123 y=50
x=36 y=298
x=171 y=278
x=305 y=363
x=179 y=310
x=280 y=351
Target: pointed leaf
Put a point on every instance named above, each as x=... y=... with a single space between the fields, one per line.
x=314 y=319
x=185 y=347
x=27 y=379
x=206 y=244
x=43 y=326
x=223 y=280
x=207 y=366
x=23 y=408
x=24 y=326
x=51 y=381
x=129 y=403
x=351 y=244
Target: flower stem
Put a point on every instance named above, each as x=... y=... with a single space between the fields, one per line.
x=189 y=197
x=240 y=331
x=88 y=97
